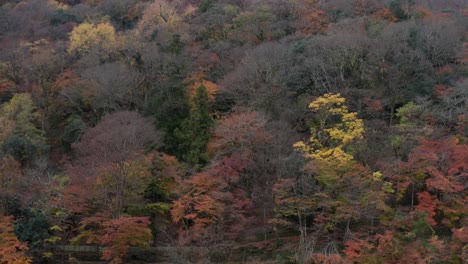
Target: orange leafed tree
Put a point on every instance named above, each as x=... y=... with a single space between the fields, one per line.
x=122 y=233
x=12 y=251
x=213 y=206
x=211 y=89
x=312 y=19
x=427 y=204
x=432 y=181
x=443 y=164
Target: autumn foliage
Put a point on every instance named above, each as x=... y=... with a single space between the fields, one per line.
x=213 y=207
x=237 y=131
x=122 y=233
x=11 y=249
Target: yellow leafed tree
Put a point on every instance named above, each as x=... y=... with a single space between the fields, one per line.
x=335 y=128
x=86 y=35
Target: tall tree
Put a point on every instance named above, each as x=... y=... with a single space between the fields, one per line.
x=334 y=191
x=194 y=132
x=334 y=129
x=170 y=107
x=213 y=207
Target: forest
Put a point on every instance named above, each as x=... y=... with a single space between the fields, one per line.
x=233 y=131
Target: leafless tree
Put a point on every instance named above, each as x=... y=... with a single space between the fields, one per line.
x=112 y=149
x=115 y=86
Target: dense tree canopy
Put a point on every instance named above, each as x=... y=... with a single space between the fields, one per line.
x=286 y=131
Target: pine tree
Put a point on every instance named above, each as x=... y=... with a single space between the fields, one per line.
x=170 y=107
x=194 y=132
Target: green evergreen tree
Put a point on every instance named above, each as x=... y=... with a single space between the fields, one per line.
x=194 y=132
x=19 y=136
x=170 y=107
x=397 y=8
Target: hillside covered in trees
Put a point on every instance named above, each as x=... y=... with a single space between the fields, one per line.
x=234 y=131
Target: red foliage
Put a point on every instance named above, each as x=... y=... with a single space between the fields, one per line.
x=6 y=86
x=78 y=191
x=445 y=163
x=372 y=105
x=437 y=251
x=356 y=249
x=67 y=79
x=436 y=174
x=385 y=241
x=442 y=182
x=384 y=14
x=428 y=204
x=122 y=233
x=441 y=166
x=239 y=131
x=440 y=90
x=412 y=255
x=459 y=242
x=212 y=198
x=312 y=19
x=461 y=234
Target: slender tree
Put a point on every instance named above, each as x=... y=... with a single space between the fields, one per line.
x=194 y=132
